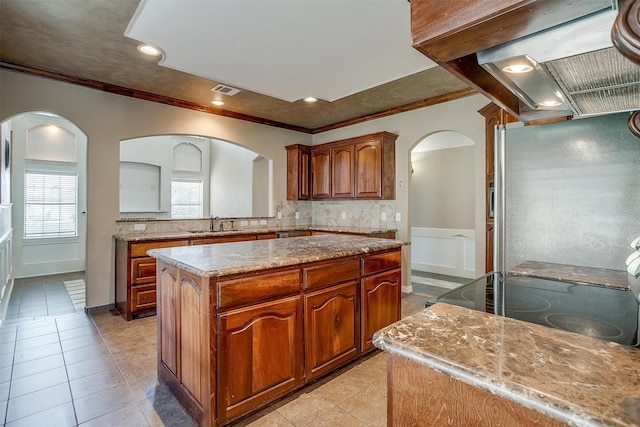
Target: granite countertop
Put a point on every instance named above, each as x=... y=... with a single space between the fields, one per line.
x=242 y=257
x=579 y=380
x=142 y=236
x=573 y=274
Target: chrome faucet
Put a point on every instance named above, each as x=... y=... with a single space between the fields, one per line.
x=221 y=226
x=211 y=218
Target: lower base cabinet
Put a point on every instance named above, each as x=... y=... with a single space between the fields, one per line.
x=259 y=355
x=332 y=327
x=228 y=346
x=381 y=304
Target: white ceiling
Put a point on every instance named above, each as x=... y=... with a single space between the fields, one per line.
x=287 y=49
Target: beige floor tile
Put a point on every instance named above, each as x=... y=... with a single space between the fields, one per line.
x=369 y=406
x=305 y=408
x=338 y=389
x=336 y=417
x=272 y=419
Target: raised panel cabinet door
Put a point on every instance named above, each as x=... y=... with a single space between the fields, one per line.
x=380 y=304
x=368 y=164
x=321 y=174
x=191 y=306
x=331 y=328
x=342 y=172
x=259 y=355
x=167 y=292
x=143 y=270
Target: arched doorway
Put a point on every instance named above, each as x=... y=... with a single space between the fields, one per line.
x=45 y=190
x=442 y=207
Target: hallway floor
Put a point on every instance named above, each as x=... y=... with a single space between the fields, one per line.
x=99 y=370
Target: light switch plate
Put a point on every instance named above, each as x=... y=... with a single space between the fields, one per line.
x=254 y=222
x=398 y=217
x=139 y=227
x=344 y=215
x=279 y=215
x=383 y=216
x=244 y=223
x=297 y=215
x=263 y=222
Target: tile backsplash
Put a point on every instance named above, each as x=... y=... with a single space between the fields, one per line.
x=356 y=213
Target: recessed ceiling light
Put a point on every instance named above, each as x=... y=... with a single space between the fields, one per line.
x=517 y=68
x=310 y=99
x=149 y=50
x=217 y=102
x=551 y=103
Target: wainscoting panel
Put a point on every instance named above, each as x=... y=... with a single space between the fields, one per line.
x=443 y=251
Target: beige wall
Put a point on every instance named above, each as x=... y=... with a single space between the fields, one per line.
x=442 y=191
x=107 y=118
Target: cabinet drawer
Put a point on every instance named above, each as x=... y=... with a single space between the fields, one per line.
x=143 y=270
x=257 y=289
x=143 y=297
x=267 y=236
x=223 y=239
x=327 y=274
x=381 y=262
x=140 y=249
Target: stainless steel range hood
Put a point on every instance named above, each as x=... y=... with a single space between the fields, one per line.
x=573 y=69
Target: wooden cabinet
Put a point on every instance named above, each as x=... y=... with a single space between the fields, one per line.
x=375 y=167
x=380 y=304
x=183 y=331
x=259 y=354
x=298 y=172
x=342 y=172
x=355 y=168
x=380 y=294
x=332 y=327
x=321 y=174
x=136 y=276
x=223 y=239
x=230 y=345
x=136 y=272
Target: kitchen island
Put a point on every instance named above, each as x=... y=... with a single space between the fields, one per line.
x=242 y=324
x=451 y=365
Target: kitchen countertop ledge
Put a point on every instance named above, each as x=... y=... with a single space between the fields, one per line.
x=579 y=380
x=143 y=236
x=243 y=257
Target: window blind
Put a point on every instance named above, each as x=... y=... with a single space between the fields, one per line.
x=50 y=204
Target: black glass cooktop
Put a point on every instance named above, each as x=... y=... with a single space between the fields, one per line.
x=596 y=311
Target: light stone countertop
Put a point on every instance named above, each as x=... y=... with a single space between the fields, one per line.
x=222 y=259
x=576 y=379
x=143 y=236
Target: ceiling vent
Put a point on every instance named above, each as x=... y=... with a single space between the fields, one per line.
x=226 y=90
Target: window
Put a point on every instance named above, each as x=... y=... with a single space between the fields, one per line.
x=186 y=198
x=50 y=204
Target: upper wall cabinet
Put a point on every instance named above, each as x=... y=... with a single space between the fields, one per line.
x=298 y=172
x=356 y=168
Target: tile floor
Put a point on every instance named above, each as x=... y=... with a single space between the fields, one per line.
x=99 y=370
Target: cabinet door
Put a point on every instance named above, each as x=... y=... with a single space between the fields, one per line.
x=259 y=355
x=331 y=328
x=368 y=170
x=342 y=172
x=168 y=326
x=380 y=304
x=298 y=163
x=321 y=174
